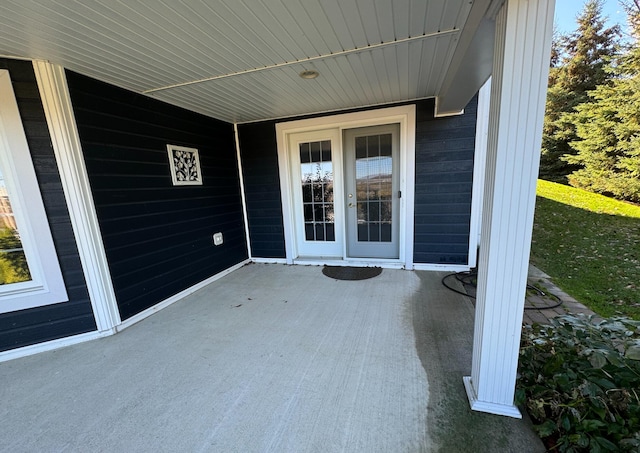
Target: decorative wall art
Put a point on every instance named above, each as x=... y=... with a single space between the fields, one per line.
x=185 y=166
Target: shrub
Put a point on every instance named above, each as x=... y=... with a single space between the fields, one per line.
x=579 y=380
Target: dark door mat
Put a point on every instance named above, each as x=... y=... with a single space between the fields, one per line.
x=351 y=273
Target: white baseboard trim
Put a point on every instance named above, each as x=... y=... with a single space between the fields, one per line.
x=441 y=267
x=75 y=339
x=53 y=344
x=490 y=408
x=175 y=298
x=269 y=260
x=363 y=262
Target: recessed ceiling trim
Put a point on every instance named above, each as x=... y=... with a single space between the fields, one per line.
x=15 y=57
x=306 y=60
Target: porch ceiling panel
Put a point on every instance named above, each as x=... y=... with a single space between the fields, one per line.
x=345 y=81
x=239 y=60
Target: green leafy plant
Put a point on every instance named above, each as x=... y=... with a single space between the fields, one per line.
x=13 y=262
x=579 y=380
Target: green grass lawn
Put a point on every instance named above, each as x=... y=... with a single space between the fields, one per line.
x=590 y=246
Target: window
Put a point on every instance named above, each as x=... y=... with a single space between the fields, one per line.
x=30 y=274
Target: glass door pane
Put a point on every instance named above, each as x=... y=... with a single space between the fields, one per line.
x=374 y=173
x=372 y=191
x=317 y=174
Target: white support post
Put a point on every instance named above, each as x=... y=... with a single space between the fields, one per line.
x=519 y=84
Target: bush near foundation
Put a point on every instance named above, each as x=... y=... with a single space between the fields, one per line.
x=579 y=379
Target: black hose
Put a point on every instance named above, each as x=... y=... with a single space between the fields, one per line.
x=470 y=278
x=444 y=282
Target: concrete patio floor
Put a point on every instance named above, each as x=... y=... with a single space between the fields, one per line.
x=270 y=358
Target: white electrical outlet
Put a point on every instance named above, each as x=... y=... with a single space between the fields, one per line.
x=217 y=239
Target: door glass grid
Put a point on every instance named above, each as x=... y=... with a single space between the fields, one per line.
x=374 y=172
x=317 y=190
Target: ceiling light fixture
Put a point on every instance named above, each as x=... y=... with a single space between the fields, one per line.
x=309 y=74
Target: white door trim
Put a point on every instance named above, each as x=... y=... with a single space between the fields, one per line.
x=403 y=115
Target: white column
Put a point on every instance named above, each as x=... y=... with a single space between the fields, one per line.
x=520 y=71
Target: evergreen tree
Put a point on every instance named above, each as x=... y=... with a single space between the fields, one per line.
x=579 y=66
x=608 y=127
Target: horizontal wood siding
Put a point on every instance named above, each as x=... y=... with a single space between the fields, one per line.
x=158 y=237
x=444 y=170
x=36 y=325
x=444 y=178
x=262 y=188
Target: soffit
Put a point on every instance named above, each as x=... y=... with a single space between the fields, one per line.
x=239 y=60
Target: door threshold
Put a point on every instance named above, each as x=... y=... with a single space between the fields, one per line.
x=355 y=262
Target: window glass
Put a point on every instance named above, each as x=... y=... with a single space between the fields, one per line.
x=13 y=262
x=317 y=190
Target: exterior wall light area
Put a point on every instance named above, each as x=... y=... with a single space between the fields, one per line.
x=309 y=74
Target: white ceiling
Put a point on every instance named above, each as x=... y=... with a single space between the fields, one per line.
x=239 y=60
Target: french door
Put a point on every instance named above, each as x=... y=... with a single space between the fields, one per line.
x=316 y=176
x=371 y=157
x=345 y=192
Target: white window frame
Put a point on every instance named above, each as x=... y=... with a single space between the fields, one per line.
x=47 y=284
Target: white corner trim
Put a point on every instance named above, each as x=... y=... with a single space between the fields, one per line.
x=408 y=184
x=52 y=345
x=479 y=169
x=490 y=408
x=243 y=197
x=176 y=297
x=56 y=101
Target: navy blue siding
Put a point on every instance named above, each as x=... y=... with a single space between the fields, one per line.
x=36 y=325
x=157 y=237
x=444 y=170
x=444 y=178
x=262 y=188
